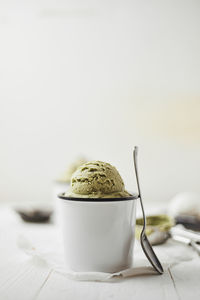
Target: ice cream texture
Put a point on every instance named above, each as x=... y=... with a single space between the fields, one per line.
x=97 y=179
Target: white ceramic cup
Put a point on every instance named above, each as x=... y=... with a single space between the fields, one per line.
x=98 y=234
x=58 y=188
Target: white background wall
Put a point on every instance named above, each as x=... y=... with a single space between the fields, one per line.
x=96 y=78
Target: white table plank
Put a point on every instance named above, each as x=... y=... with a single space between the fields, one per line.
x=186 y=278
x=21 y=280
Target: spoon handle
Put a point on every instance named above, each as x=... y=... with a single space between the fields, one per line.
x=135 y=153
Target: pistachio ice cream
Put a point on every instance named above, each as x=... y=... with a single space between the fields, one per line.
x=161 y=223
x=97 y=179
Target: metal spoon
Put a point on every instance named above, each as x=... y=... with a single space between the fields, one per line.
x=146 y=246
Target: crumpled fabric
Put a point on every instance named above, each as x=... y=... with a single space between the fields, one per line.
x=50 y=252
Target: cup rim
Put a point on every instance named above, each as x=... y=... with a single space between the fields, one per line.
x=132 y=197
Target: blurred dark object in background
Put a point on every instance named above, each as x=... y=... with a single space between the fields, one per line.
x=35 y=215
x=190 y=222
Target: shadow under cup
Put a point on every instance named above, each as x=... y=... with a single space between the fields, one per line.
x=98 y=233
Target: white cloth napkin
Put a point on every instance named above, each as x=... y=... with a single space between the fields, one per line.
x=44 y=251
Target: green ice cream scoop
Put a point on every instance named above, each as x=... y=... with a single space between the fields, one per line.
x=97 y=179
x=161 y=223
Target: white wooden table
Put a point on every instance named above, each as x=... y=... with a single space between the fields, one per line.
x=22 y=279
